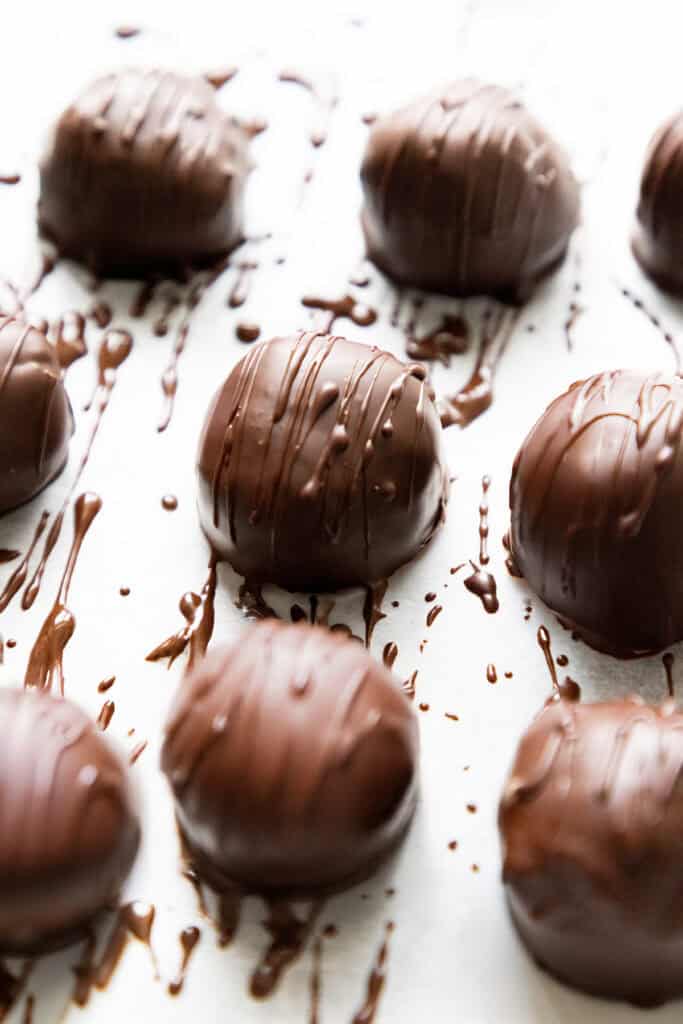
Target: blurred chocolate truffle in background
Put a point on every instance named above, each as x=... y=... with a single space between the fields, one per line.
x=467 y=194
x=591 y=822
x=35 y=416
x=321 y=464
x=658 y=236
x=292 y=756
x=69 y=830
x=596 y=500
x=144 y=171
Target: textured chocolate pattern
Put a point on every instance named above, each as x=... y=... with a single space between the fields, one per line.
x=68 y=825
x=292 y=758
x=592 y=826
x=35 y=415
x=596 y=498
x=466 y=193
x=320 y=464
x=144 y=170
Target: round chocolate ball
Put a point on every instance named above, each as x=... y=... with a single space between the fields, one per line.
x=68 y=825
x=321 y=464
x=596 y=501
x=467 y=194
x=144 y=171
x=658 y=236
x=591 y=821
x=35 y=416
x=292 y=757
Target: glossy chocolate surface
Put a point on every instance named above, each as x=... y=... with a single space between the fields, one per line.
x=596 y=501
x=321 y=464
x=68 y=824
x=658 y=237
x=144 y=171
x=591 y=821
x=292 y=759
x=35 y=415
x=467 y=194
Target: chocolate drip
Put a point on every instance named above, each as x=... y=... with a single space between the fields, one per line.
x=451 y=337
x=323 y=107
x=45 y=660
x=189 y=937
x=433 y=613
x=484 y=521
x=247 y=332
x=372 y=608
x=483 y=585
x=221 y=76
x=10 y=179
x=8 y=555
x=491 y=674
x=476 y=396
x=376 y=982
x=101 y=313
x=18 y=577
x=133 y=919
x=70 y=343
x=389 y=654
x=106 y=714
x=316 y=981
x=289 y=935
x=137 y=751
x=199 y=615
x=668 y=662
x=239 y=293
x=106 y=684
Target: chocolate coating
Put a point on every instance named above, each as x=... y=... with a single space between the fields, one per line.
x=144 y=171
x=292 y=759
x=467 y=194
x=658 y=236
x=596 y=498
x=68 y=825
x=35 y=416
x=591 y=821
x=321 y=464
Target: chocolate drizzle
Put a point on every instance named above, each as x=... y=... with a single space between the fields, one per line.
x=656 y=322
x=376 y=982
x=239 y=293
x=70 y=343
x=18 y=577
x=347 y=307
x=476 y=395
x=133 y=919
x=106 y=714
x=199 y=615
x=668 y=663
x=44 y=667
x=451 y=337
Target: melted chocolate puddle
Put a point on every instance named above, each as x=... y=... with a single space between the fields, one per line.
x=347 y=307
x=171 y=300
x=451 y=337
x=198 y=612
x=45 y=660
x=289 y=934
x=476 y=396
x=247 y=332
x=134 y=919
x=376 y=982
x=189 y=937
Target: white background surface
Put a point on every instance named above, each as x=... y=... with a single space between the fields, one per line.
x=602 y=76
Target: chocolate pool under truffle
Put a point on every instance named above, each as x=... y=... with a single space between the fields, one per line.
x=596 y=498
x=35 y=415
x=591 y=821
x=144 y=171
x=467 y=194
x=658 y=237
x=292 y=758
x=68 y=825
x=321 y=464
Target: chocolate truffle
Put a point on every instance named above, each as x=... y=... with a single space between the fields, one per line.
x=292 y=758
x=68 y=825
x=321 y=464
x=467 y=194
x=35 y=415
x=144 y=171
x=591 y=821
x=658 y=236
x=596 y=499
